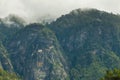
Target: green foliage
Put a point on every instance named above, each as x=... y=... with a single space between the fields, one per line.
x=8 y=76
x=112 y=75
x=91 y=42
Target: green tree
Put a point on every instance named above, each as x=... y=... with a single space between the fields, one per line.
x=4 y=75
x=112 y=75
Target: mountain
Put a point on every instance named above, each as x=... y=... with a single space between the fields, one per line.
x=90 y=40
x=36 y=55
x=10 y=25
x=80 y=45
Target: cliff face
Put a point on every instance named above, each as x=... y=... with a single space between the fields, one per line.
x=36 y=55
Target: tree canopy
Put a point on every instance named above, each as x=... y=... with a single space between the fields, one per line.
x=112 y=75
x=4 y=75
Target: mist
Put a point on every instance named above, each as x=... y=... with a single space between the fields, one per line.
x=34 y=9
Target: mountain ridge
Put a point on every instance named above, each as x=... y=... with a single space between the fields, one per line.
x=80 y=45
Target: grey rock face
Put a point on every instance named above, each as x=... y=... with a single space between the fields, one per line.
x=36 y=55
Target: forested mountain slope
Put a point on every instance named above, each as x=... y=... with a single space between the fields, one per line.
x=80 y=45
x=91 y=42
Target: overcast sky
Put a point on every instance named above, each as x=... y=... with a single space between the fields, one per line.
x=37 y=8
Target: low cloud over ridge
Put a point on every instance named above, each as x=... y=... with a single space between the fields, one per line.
x=33 y=9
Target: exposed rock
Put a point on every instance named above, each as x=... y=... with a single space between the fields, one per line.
x=38 y=56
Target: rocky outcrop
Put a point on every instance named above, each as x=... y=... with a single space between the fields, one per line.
x=36 y=54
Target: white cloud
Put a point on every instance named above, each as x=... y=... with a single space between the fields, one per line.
x=38 y=8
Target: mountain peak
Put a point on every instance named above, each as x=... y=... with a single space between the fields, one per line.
x=12 y=19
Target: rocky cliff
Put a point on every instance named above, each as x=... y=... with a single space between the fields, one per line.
x=36 y=54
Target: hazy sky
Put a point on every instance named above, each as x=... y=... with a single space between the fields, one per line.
x=37 y=8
